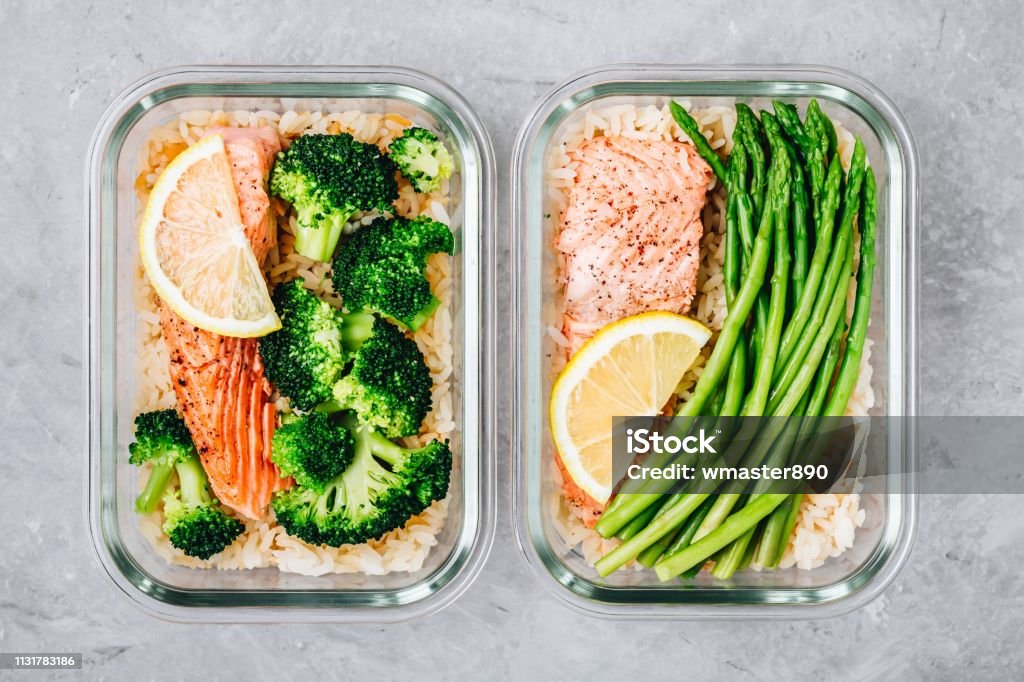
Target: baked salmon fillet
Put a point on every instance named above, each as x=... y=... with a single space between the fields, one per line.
x=630 y=239
x=219 y=381
x=631 y=231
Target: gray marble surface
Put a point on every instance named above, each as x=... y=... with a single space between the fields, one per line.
x=953 y=67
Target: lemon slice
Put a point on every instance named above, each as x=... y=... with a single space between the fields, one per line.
x=193 y=246
x=629 y=368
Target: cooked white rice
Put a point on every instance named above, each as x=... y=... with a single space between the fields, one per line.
x=265 y=543
x=826 y=524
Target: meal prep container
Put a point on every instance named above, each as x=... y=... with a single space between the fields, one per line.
x=266 y=594
x=883 y=543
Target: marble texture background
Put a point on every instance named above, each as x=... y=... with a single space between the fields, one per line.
x=953 y=67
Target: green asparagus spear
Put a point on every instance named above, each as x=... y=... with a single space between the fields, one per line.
x=689 y=528
x=735 y=526
x=649 y=556
x=736 y=251
x=798 y=220
x=692 y=129
x=749 y=134
x=640 y=521
x=826 y=371
x=677 y=540
x=731 y=558
x=781 y=453
x=777 y=211
x=779 y=525
x=850 y=369
x=781 y=522
x=809 y=335
x=785 y=403
x=736 y=383
x=771 y=446
x=792 y=512
x=811 y=139
x=776 y=533
x=625 y=506
x=808 y=301
x=748 y=556
x=735 y=386
x=721 y=356
x=789 y=119
x=678 y=510
x=825 y=131
x=749 y=141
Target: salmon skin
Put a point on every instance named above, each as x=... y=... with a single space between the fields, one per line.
x=630 y=239
x=219 y=380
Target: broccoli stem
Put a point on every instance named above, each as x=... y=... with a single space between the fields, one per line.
x=356 y=328
x=380 y=446
x=193 y=482
x=149 y=498
x=320 y=242
x=424 y=314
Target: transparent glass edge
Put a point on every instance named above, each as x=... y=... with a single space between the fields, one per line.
x=721 y=80
x=424 y=597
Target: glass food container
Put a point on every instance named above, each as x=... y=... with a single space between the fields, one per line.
x=883 y=543
x=267 y=594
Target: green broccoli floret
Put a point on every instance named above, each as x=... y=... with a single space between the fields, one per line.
x=328 y=179
x=161 y=438
x=193 y=520
x=383 y=487
x=388 y=386
x=312 y=449
x=422 y=158
x=381 y=268
x=307 y=355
